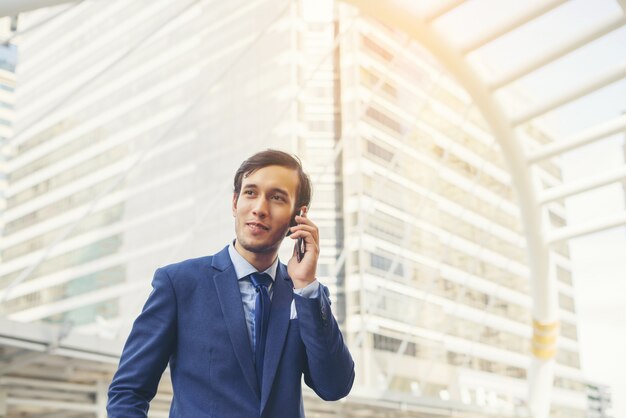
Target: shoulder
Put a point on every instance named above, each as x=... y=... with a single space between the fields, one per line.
x=194 y=269
x=187 y=267
x=184 y=277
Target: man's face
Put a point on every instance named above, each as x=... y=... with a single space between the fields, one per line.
x=264 y=208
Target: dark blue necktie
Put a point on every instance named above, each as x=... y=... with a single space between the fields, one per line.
x=261 y=282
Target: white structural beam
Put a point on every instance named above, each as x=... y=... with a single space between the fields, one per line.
x=15 y=7
x=53 y=404
x=510 y=25
x=595 y=83
x=446 y=8
x=597 y=225
x=41 y=337
x=558 y=51
x=590 y=183
x=61 y=414
x=600 y=131
x=47 y=384
x=43 y=311
x=544 y=287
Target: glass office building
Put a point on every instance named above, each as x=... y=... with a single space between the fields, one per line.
x=437 y=288
x=131 y=124
x=125 y=148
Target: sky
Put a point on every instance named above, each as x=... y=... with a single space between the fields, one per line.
x=599 y=269
x=598 y=260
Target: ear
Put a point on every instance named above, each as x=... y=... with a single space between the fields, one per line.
x=234 y=207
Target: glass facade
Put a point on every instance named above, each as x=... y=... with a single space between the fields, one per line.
x=142 y=123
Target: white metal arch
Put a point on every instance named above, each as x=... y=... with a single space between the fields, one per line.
x=544 y=286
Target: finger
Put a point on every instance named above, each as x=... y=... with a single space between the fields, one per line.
x=313 y=230
x=304 y=220
x=301 y=234
x=309 y=240
x=301 y=220
x=310 y=228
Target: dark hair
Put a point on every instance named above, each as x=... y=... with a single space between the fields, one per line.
x=274 y=157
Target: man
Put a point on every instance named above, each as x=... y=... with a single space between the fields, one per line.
x=239 y=328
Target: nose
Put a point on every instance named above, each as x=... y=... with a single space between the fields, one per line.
x=260 y=208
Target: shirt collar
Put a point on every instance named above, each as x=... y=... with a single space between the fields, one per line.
x=243 y=268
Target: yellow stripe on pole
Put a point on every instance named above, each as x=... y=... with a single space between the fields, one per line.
x=545 y=327
x=544 y=339
x=544 y=353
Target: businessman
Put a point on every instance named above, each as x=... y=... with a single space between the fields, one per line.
x=239 y=328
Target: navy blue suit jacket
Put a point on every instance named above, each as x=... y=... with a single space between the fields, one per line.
x=194 y=320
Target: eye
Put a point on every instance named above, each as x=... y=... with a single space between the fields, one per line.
x=248 y=192
x=279 y=197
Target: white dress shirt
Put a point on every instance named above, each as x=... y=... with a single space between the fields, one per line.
x=248 y=293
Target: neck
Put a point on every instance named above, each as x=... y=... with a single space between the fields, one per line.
x=260 y=261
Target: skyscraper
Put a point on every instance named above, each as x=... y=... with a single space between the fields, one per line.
x=141 y=123
x=437 y=283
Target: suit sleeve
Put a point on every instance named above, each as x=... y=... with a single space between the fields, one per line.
x=330 y=369
x=146 y=352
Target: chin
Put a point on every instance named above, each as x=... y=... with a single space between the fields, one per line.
x=260 y=247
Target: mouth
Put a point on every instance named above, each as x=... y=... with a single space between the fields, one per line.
x=257 y=227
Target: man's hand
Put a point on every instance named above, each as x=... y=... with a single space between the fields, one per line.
x=302 y=273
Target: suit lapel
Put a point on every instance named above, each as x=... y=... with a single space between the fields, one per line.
x=280 y=313
x=230 y=301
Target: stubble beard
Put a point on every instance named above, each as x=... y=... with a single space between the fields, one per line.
x=261 y=248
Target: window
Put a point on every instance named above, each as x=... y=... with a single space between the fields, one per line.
x=383 y=263
x=379 y=151
x=391 y=344
x=387 y=121
x=374 y=47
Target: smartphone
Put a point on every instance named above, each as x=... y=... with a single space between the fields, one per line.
x=300 y=245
